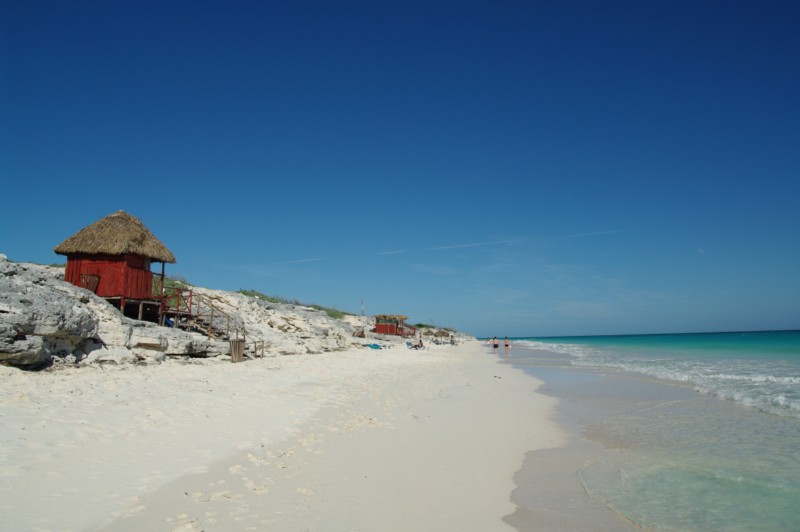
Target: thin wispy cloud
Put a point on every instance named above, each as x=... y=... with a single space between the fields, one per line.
x=598 y=233
x=396 y=252
x=474 y=245
x=297 y=261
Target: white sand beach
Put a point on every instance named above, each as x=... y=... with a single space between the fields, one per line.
x=390 y=439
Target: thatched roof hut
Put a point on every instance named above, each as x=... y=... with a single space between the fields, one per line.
x=112 y=258
x=393 y=324
x=116 y=234
x=390 y=317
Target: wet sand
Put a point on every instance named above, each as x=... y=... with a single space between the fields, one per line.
x=550 y=494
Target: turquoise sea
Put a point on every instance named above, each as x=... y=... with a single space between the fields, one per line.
x=721 y=453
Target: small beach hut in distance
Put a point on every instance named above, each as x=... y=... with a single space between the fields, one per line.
x=112 y=257
x=393 y=324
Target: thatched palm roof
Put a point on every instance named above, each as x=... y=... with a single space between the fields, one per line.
x=116 y=234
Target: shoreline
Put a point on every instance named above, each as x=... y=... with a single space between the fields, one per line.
x=357 y=439
x=617 y=421
x=549 y=493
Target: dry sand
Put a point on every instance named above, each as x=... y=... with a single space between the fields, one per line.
x=385 y=440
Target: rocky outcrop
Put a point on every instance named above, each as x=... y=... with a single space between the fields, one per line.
x=45 y=320
x=285 y=329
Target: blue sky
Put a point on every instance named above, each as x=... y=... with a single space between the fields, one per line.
x=502 y=167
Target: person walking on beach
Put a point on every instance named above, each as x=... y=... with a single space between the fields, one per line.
x=506 y=344
x=496 y=342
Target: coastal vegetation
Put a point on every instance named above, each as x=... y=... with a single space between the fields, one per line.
x=170 y=284
x=48 y=322
x=330 y=311
x=428 y=326
x=264 y=297
x=176 y=282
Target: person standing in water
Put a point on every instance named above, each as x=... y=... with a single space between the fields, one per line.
x=496 y=342
x=506 y=344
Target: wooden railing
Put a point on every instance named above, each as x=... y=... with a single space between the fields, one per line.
x=258 y=347
x=177 y=300
x=196 y=311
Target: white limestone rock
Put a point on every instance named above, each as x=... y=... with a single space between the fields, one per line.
x=45 y=320
x=114 y=355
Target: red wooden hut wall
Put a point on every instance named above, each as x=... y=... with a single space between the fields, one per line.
x=127 y=276
x=393 y=325
x=386 y=328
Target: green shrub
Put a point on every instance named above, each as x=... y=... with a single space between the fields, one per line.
x=332 y=312
x=264 y=297
x=175 y=282
x=170 y=283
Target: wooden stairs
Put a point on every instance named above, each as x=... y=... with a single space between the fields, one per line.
x=184 y=309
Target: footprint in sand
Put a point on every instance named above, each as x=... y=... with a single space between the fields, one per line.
x=258 y=460
x=189 y=526
x=255 y=486
x=223 y=495
x=198 y=496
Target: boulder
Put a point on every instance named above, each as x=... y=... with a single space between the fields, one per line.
x=45 y=320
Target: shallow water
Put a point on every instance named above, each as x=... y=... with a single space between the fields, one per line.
x=759 y=369
x=670 y=455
